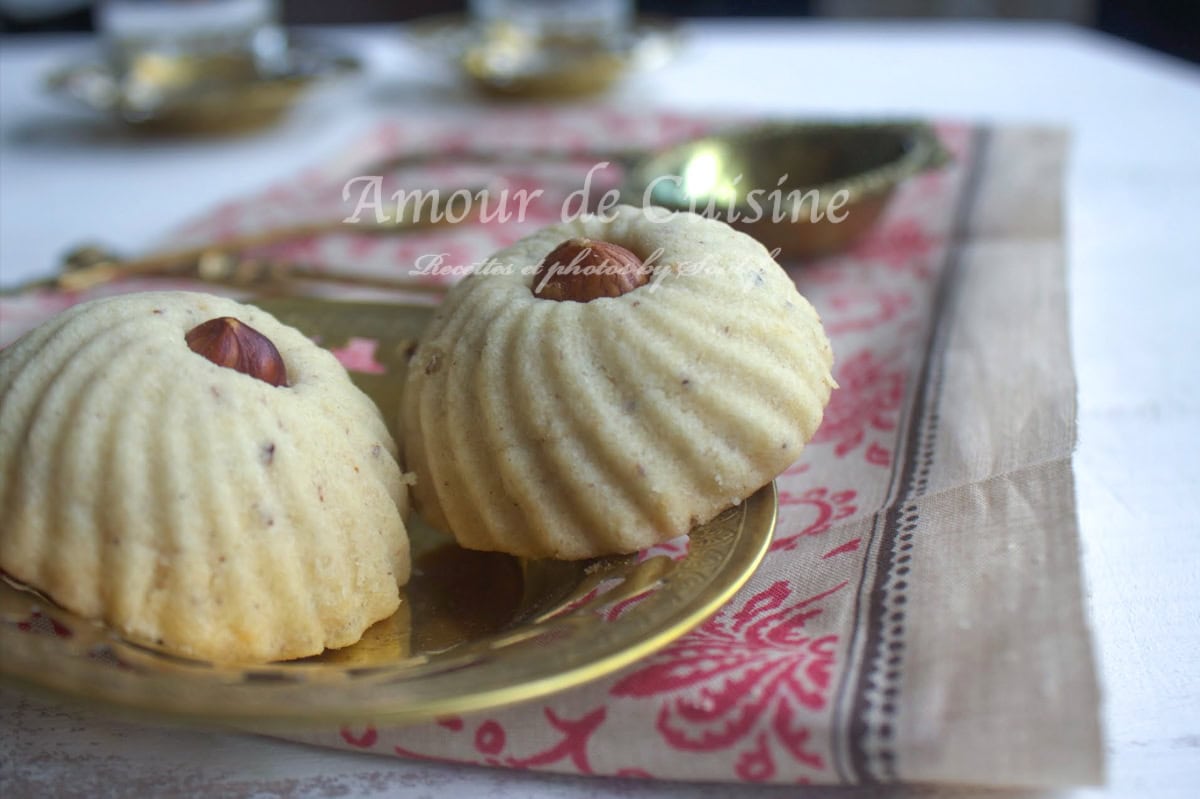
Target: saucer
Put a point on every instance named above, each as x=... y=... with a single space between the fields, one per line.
x=187 y=93
x=505 y=61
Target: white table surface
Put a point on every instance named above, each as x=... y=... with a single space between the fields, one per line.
x=1134 y=238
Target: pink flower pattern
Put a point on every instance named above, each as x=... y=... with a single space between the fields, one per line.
x=746 y=676
x=491 y=744
x=867 y=399
x=359 y=356
x=859 y=309
x=825 y=508
x=903 y=245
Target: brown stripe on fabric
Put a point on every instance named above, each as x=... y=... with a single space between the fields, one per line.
x=871 y=756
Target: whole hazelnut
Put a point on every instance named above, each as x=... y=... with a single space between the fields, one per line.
x=234 y=344
x=581 y=270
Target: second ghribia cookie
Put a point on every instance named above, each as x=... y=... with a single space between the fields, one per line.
x=605 y=385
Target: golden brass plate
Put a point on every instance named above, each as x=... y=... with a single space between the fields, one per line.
x=209 y=94
x=504 y=61
x=794 y=170
x=475 y=630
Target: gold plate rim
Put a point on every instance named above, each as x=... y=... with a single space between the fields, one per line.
x=684 y=601
x=556 y=643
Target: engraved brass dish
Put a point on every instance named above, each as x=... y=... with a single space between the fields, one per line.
x=211 y=93
x=807 y=164
x=503 y=60
x=797 y=170
x=476 y=630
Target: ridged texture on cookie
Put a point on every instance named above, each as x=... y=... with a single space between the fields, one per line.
x=571 y=430
x=190 y=505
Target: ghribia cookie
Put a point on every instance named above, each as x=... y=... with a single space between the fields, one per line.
x=572 y=429
x=187 y=504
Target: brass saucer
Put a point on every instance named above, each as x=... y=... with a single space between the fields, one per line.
x=475 y=630
x=201 y=94
x=504 y=61
x=777 y=180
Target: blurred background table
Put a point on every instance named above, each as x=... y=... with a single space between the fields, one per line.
x=1134 y=191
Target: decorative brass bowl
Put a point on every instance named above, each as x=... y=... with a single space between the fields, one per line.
x=804 y=165
x=209 y=93
x=503 y=60
x=475 y=630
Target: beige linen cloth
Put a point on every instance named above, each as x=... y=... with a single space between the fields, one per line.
x=919 y=617
x=982 y=638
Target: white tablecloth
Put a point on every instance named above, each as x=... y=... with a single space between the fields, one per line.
x=1134 y=196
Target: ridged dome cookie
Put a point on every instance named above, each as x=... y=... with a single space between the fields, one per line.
x=191 y=505
x=569 y=429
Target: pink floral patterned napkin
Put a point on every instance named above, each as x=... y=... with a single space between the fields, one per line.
x=919 y=615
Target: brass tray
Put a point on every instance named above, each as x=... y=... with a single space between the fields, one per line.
x=505 y=62
x=201 y=95
x=476 y=630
